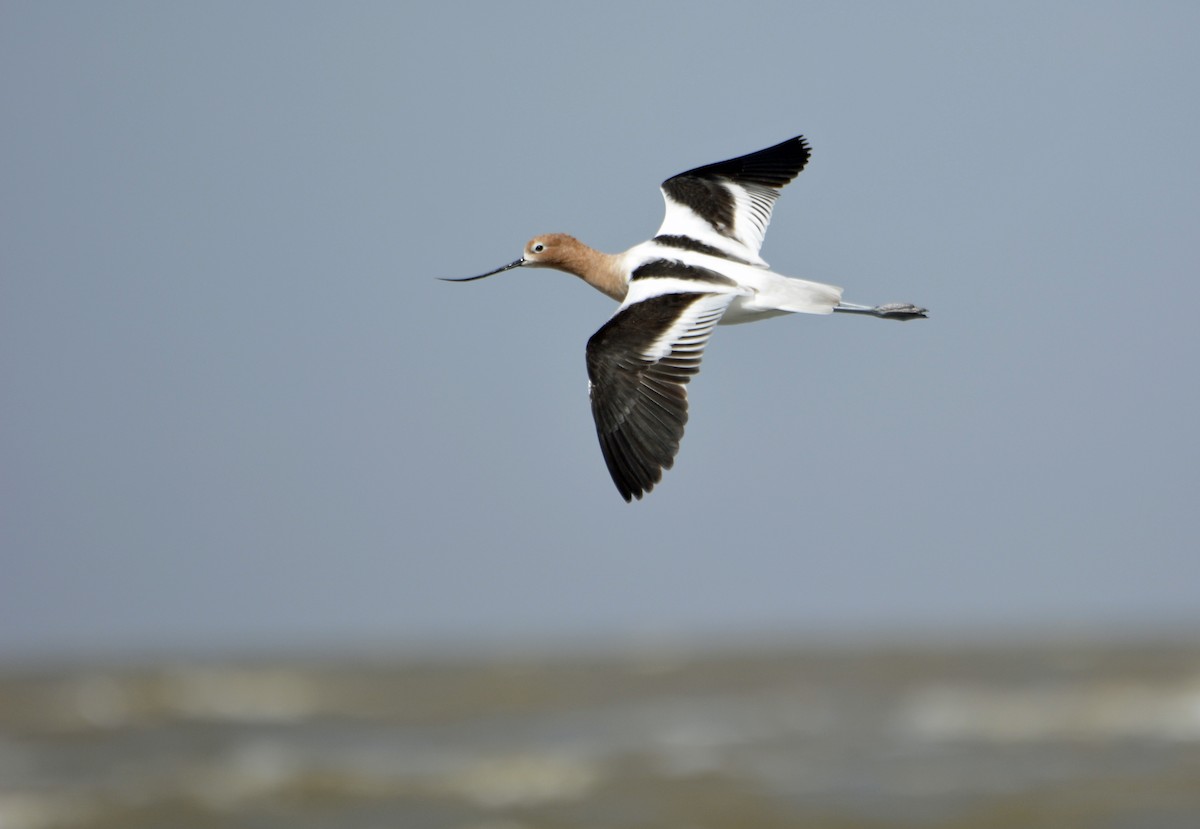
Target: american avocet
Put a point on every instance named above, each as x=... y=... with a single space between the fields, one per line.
x=701 y=268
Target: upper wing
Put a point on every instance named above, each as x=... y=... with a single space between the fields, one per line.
x=639 y=363
x=726 y=207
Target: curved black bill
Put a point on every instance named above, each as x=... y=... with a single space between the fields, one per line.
x=518 y=263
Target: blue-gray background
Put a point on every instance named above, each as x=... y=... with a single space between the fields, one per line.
x=238 y=412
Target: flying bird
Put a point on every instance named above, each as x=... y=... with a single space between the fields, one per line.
x=702 y=268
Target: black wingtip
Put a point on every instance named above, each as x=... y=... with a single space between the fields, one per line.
x=774 y=166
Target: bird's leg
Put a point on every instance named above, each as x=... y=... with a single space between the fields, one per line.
x=891 y=311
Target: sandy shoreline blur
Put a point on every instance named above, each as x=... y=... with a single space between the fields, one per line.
x=1056 y=735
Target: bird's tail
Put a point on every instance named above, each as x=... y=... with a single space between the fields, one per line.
x=797 y=296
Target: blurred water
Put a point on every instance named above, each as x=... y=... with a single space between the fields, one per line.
x=1049 y=736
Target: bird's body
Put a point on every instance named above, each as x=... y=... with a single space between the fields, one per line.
x=701 y=269
x=640 y=273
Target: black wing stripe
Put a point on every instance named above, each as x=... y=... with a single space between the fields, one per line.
x=688 y=243
x=673 y=268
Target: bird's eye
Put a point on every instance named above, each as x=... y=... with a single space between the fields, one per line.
x=538 y=247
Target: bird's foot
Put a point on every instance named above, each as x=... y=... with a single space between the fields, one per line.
x=900 y=311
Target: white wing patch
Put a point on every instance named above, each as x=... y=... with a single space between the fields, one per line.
x=690 y=332
x=752 y=214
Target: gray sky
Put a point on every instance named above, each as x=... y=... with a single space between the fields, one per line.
x=238 y=411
